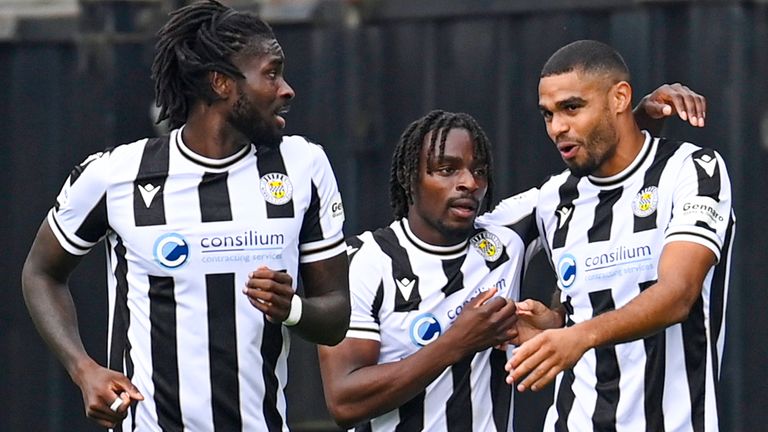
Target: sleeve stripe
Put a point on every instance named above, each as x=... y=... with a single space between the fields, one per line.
x=71 y=245
x=695 y=238
x=363 y=334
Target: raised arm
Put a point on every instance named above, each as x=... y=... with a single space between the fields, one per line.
x=357 y=388
x=682 y=269
x=49 y=301
x=668 y=100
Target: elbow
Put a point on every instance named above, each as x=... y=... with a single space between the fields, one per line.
x=682 y=309
x=337 y=333
x=344 y=414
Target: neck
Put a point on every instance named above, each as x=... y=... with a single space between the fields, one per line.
x=208 y=134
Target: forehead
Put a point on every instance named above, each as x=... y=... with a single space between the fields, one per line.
x=569 y=85
x=259 y=53
x=458 y=143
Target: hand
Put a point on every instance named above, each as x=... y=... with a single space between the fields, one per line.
x=537 y=362
x=675 y=98
x=100 y=387
x=484 y=322
x=532 y=318
x=270 y=291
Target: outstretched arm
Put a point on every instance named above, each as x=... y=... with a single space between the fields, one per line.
x=668 y=100
x=682 y=269
x=357 y=387
x=48 y=299
x=325 y=310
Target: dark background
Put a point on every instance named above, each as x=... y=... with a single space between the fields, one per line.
x=363 y=70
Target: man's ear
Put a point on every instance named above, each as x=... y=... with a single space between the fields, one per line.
x=621 y=97
x=221 y=85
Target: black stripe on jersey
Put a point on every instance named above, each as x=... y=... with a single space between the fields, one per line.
x=664 y=151
x=655 y=367
x=270 y=160
x=323 y=248
x=452 y=270
x=94 y=225
x=709 y=184
x=717 y=294
x=119 y=347
x=568 y=194
x=271 y=346
x=214 y=197
x=377 y=302
x=695 y=349
x=222 y=351
x=695 y=234
x=165 y=358
x=525 y=228
x=150 y=182
x=353 y=246
x=501 y=392
x=598 y=181
x=458 y=409
x=606 y=370
x=412 y=414
x=601 y=225
x=565 y=398
x=311 y=229
x=364 y=427
x=401 y=269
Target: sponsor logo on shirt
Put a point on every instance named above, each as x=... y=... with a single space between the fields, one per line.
x=707 y=163
x=171 y=250
x=337 y=208
x=247 y=246
x=488 y=245
x=645 y=202
x=563 y=214
x=276 y=188
x=619 y=261
x=566 y=271
x=425 y=329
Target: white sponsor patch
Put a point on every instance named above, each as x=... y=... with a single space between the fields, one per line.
x=337 y=208
x=703 y=209
x=276 y=188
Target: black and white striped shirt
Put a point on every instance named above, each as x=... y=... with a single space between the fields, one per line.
x=405 y=293
x=182 y=233
x=605 y=237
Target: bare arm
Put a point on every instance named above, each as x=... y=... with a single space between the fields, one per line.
x=48 y=299
x=358 y=388
x=682 y=269
x=325 y=309
x=668 y=100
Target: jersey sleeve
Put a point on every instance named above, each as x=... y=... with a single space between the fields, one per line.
x=365 y=287
x=321 y=234
x=702 y=202
x=78 y=219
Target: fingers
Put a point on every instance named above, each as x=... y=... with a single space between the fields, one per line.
x=483 y=297
x=689 y=105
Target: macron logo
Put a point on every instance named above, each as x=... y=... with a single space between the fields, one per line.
x=405 y=286
x=148 y=192
x=708 y=164
x=563 y=215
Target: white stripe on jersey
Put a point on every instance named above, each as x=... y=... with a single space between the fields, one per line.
x=183 y=232
x=604 y=237
x=404 y=294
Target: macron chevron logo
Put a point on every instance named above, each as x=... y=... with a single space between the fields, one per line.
x=405 y=286
x=148 y=192
x=563 y=215
x=707 y=163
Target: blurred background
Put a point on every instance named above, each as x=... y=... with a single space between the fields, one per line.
x=74 y=79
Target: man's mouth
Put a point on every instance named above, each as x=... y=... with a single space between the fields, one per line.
x=567 y=149
x=465 y=207
x=279 y=115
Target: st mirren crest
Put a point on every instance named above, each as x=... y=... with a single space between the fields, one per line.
x=276 y=188
x=488 y=245
x=645 y=202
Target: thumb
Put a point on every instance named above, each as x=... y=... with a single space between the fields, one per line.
x=483 y=297
x=130 y=390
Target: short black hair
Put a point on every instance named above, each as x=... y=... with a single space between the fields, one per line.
x=404 y=174
x=586 y=56
x=197 y=39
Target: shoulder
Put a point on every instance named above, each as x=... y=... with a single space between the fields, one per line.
x=301 y=143
x=510 y=210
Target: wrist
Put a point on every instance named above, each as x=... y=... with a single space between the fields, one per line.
x=294 y=315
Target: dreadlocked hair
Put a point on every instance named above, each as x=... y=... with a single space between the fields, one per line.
x=404 y=174
x=198 y=39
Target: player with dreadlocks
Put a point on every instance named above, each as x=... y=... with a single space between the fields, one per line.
x=430 y=293
x=206 y=231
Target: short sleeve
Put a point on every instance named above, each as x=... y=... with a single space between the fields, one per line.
x=365 y=287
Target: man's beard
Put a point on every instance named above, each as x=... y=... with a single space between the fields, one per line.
x=600 y=146
x=247 y=121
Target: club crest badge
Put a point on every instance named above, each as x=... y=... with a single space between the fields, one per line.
x=276 y=188
x=488 y=245
x=645 y=202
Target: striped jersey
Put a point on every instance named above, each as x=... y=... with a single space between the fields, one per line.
x=604 y=237
x=405 y=293
x=182 y=233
